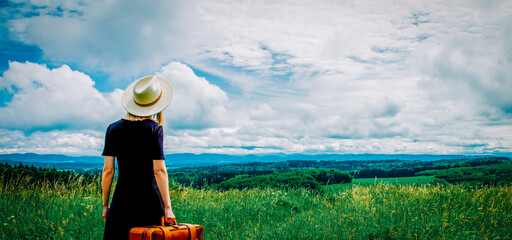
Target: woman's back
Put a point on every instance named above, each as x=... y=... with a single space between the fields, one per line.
x=135 y=144
x=137 y=200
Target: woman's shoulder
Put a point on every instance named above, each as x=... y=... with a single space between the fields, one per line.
x=112 y=126
x=152 y=124
x=131 y=124
x=115 y=124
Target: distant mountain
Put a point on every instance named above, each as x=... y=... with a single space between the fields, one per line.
x=49 y=158
x=208 y=159
x=53 y=160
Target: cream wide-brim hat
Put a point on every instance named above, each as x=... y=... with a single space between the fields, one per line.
x=147 y=96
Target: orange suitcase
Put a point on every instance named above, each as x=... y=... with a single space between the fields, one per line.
x=182 y=231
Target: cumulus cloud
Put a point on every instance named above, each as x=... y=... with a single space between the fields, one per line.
x=44 y=98
x=462 y=70
x=235 y=141
x=196 y=103
x=331 y=76
x=121 y=38
x=52 y=142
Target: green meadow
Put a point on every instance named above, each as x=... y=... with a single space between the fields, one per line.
x=420 y=180
x=395 y=208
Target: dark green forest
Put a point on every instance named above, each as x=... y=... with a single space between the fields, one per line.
x=13 y=173
x=306 y=178
x=492 y=170
x=299 y=173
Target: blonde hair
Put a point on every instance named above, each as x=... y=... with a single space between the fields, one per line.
x=158 y=117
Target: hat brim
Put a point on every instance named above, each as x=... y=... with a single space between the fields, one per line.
x=131 y=107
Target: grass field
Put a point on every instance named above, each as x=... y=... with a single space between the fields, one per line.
x=420 y=181
x=361 y=210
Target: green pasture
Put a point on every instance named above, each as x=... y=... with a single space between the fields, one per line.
x=420 y=180
x=365 y=209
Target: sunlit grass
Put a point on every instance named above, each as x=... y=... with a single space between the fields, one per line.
x=374 y=211
x=43 y=210
x=419 y=181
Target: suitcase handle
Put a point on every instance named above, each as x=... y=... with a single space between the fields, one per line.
x=163 y=221
x=191 y=228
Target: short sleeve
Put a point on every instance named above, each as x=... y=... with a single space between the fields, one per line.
x=109 y=148
x=158 y=150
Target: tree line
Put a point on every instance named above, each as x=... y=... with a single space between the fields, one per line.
x=214 y=175
x=12 y=173
x=298 y=173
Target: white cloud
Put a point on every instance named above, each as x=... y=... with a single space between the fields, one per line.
x=196 y=102
x=52 y=142
x=235 y=141
x=263 y=112
x=122 y=38
x=46 y=98
x=340 y=76
x=470 y=69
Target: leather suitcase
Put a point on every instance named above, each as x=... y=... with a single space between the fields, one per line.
x=182 y=231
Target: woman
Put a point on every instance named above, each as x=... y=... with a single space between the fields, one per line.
x=141 y=196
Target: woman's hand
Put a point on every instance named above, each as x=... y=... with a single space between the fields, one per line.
x=105 y=213
x=169 y=215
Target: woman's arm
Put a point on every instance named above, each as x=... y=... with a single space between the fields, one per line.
x=106 y=183
x=162 y=180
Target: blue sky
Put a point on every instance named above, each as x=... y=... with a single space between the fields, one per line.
x=254 y=77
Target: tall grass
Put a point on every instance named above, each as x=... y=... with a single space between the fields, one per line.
x=44 y=210
x=37 y=210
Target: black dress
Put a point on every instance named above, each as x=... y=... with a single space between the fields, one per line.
x=137 y=200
